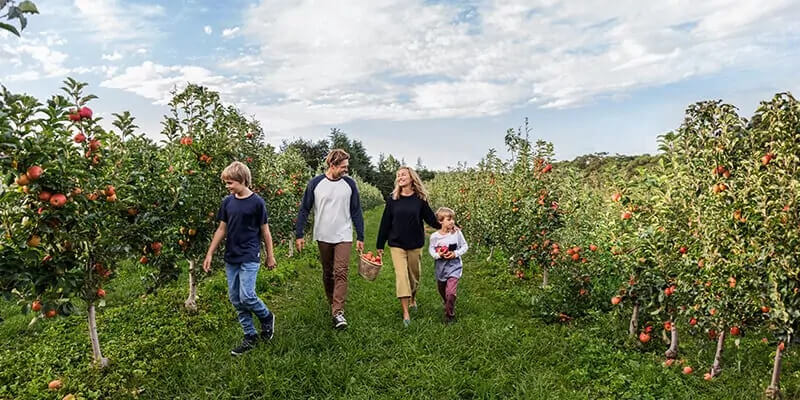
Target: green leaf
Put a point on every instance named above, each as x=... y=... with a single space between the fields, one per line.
x=13 y=12
x=23 y=22
x=10 y=28
x=28 y=7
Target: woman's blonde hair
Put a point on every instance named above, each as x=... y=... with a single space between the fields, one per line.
x=416 y=184
x=237 y=171
x=442 y=212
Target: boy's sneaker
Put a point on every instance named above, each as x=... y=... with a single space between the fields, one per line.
x=248 y=344
x=339 y=322
x=268 y=327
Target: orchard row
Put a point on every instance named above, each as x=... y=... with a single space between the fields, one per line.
x=77 y=200
x=706 y=234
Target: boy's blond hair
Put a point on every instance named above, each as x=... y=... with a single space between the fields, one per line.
x=239 y=172
x=336 y=156
x=443 y=212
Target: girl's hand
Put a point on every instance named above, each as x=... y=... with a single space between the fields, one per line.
x=449 y=255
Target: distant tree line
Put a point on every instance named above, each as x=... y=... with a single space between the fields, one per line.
x=381 y=174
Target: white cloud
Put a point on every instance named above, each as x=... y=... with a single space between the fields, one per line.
x=154 y=81
x=114 y=20
x=230 y=32
x=207 y=29
x=112 y=57
x=326 y=62
x=33 y=57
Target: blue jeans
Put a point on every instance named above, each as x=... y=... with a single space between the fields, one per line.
x=242 y=293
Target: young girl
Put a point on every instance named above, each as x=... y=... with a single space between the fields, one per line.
x=446 y=247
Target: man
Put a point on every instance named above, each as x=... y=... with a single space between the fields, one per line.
x=334 y=198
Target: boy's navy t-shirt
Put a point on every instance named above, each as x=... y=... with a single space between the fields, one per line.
x=244 y=218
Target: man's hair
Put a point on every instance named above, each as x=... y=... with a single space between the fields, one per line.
x=443 y=212
x=238 y=172
x=336 y=156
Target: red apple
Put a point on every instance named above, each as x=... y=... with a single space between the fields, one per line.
x=58 y=200
x=34 y=172
x=85 y=112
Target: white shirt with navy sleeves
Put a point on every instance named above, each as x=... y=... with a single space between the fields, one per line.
x=337 y=207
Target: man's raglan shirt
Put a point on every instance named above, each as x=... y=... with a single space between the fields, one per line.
x=337 y=208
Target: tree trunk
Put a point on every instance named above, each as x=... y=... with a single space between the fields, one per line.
x=491 y=252
x=634 y=325
x=774 y=389
x=672 y=351
x=97 y=355
x=291 y=248
x=191 y=301
x=716 y=369
x=545 y=274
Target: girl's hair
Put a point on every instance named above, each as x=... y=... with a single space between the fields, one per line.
x=443 y=212
x=416 y=184
x=336 y=156
x=238 y=172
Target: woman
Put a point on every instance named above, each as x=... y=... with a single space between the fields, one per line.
x=401 y=225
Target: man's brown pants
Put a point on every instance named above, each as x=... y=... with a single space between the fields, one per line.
x=335 y=259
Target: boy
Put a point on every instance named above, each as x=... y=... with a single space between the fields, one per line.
x=447 y=245
x=243 y=220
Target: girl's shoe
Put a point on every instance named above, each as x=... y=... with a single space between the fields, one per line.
x=413 y=308
x=406 y=323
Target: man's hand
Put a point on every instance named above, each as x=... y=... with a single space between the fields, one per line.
x=360 y=246
x=300 y=243
x=207 y=264
x=271 y=263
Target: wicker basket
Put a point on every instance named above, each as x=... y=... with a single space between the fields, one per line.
x=368 y=269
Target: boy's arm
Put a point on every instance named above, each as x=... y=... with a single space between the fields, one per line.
x=267 y=236
x=462 y=245
x=432 y=247
x=219 y=234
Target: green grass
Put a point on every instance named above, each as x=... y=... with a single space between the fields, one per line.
x=495 y=350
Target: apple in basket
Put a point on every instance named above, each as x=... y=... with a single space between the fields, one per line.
x=372 y=258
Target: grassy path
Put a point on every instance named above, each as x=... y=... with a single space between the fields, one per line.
x=495 y=350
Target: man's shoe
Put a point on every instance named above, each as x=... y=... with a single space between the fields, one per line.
x=339 y=322
x=248 y=344
x=268 y=327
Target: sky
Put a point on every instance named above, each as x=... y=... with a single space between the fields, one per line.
x=437 y=80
